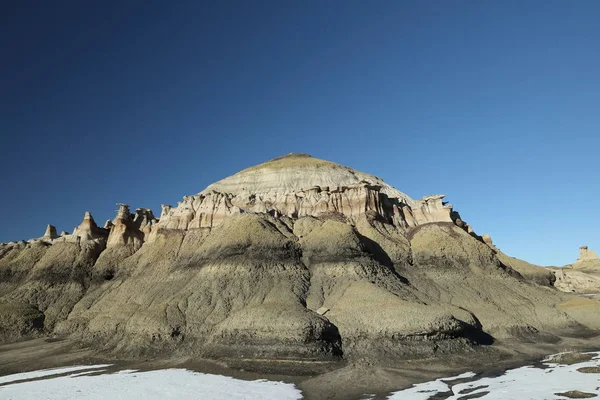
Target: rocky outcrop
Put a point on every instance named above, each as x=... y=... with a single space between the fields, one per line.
x=41 y=280
x=297 y=186
x=88 y=230
x=50 y=233
x=125 y=230
x=571 y=280
x=587 y=261
x=297 y=258
x=586 y=254
x=583 y=276
x=128 y=232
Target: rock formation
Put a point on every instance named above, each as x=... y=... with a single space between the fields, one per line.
x=88 y=230
x=583 y=276
x=297 y=186
x=296 y=258
x=42 y=280
x=586 y=254
x=50 y=233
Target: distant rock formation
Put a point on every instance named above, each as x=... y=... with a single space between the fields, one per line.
x=587 y=258
x=586 y=254
x=583 y=276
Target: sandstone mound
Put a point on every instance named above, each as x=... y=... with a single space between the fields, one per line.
x=296 y=258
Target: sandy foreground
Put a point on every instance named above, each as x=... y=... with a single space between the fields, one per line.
x=343 y=380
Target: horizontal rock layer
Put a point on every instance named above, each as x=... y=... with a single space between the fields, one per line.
x=296 y=186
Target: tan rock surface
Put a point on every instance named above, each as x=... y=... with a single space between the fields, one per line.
x=298 y=185
x=297 y=258
x=572 y=280
x=586 y=254
x=583 y=276
x=50 y=233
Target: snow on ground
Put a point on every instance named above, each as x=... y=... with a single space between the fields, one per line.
x=165 y=384
x=525 y=383
x=49 y=372
x=92 y=382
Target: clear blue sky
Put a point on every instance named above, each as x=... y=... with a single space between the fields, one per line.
x=494 y=103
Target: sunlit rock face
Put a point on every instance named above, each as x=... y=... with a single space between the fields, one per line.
x=586 y=256
x=128 y=229
x=298 y=185
x=88 y=230
x=583 y=276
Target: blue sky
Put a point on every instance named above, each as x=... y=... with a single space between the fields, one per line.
x=494 y=103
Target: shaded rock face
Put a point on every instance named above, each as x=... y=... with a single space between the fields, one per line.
x=296 y=258
x=41 y=280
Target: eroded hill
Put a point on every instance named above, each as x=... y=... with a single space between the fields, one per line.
x=295 y=258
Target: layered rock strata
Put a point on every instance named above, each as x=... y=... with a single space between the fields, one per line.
x=297 y=186
x=295 y=258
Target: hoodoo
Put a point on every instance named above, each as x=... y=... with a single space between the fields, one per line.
x=295 y=258
x=586 y=254
x=50 y=233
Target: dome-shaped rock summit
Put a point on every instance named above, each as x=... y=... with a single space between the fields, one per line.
x=298 y=185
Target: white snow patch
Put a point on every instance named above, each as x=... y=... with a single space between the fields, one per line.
x=48 y=372
x=466 y=375
x=424 y=391
x=421 y=391
x=525 y=383
x=176 y=384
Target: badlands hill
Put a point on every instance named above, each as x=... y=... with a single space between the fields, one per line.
x=295 y=258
